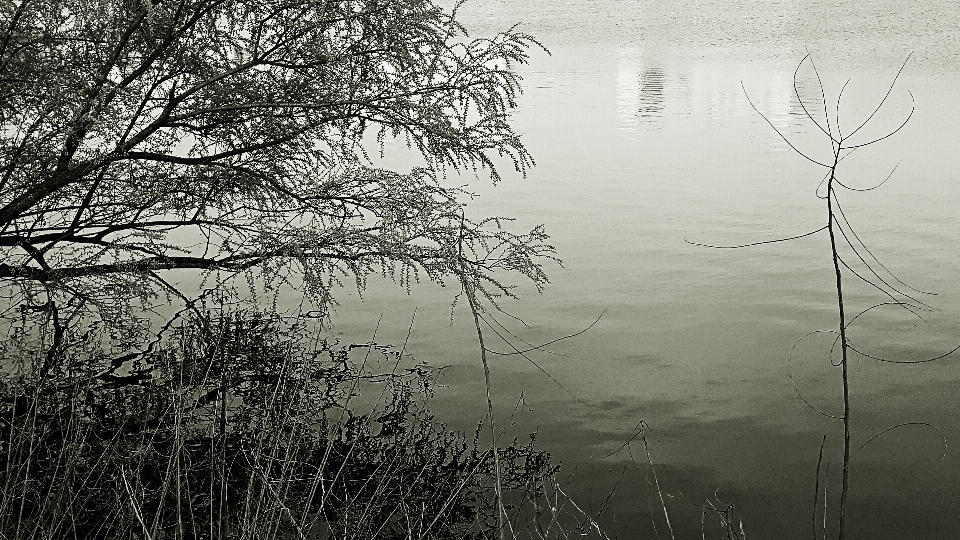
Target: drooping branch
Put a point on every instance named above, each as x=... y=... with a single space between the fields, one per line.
x=244 y=124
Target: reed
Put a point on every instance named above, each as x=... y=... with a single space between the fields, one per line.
x=238 y=427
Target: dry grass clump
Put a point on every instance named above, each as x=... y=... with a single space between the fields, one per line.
x=235 y=427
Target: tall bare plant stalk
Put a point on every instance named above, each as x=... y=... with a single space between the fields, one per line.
x=844 y=239
x=845 y=473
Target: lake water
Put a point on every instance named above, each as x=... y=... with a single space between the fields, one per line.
x=644 y=137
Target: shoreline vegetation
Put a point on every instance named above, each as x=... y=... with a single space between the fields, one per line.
x=271 y=430
x=143 y=140
x=225 y=139
x=258 y=435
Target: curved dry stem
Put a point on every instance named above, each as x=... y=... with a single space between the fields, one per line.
x=882 y=101
x=796 y=91
x=757 y=243
x=909 y=307
x=637 y=430
x=881 y=304
x=542 y=345
x=874 y=257
x=884 y=181
x=782 y=136
x=793 y=381
x=905 y=424
x=913 y=108
x=834 y=143
x=919 y=304
x=513 y=335
x=839 y=98
x=531 y=360
x=823 y=181
x=889 y=361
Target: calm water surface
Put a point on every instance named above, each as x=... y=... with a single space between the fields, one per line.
x=644 y=137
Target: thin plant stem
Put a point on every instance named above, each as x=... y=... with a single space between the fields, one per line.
x=656 y=480
x=816 y=489
x=845 y=473
x=475 y=309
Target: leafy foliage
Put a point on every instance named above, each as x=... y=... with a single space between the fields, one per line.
x=230 y=138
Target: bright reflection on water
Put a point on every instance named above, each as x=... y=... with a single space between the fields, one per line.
x=628 y=88
x=645 y=135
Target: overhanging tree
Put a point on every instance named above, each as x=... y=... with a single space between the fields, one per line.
x=224 y=136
